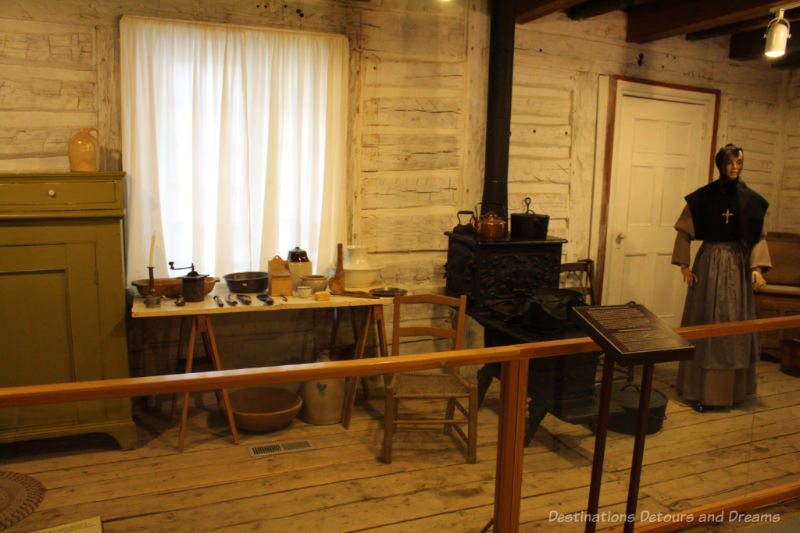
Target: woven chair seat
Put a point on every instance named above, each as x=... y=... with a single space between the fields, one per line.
x=422 y=384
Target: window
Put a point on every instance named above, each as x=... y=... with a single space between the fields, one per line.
x=234 y=143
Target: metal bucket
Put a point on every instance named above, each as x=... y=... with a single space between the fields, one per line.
x=625 y=396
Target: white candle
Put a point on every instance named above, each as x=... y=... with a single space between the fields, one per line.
x=152 y=248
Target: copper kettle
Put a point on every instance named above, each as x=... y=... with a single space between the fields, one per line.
x=490 y=226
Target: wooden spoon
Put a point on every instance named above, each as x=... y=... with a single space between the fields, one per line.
x=336 y=283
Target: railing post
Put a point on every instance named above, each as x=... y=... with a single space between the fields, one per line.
x=510 y=445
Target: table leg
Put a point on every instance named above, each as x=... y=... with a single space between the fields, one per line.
x=210 y=342
x=599 y=444
x=352 y=386
x=377 y=311
x=334 y=331
x=381 y=325
x=185 y=407
x=202 y=324
x=638 y=446
x=185 y=322
x=354 y=325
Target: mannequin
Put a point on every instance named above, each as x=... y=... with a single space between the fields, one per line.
x=728 y=217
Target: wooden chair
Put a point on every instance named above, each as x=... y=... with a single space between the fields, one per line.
x=579 y=276
x=582 y=273
x=447 y=385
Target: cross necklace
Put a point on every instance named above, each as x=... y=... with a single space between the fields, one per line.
x=727 y=216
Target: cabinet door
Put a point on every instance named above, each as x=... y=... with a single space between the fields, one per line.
x=49 y=323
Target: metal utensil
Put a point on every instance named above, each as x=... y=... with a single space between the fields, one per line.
x=245 y=299
x=229 y=299
x=266 y=298
x=219 y=301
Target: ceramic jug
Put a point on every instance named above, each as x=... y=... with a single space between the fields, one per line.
x=322 y=398
x=299 y=265
x=356 y=257
x=83 y=151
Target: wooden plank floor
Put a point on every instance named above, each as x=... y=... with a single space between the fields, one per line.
x=340 y=485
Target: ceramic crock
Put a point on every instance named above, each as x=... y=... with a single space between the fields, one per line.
x=83 y=151
x=322 y=398
x=299 y=265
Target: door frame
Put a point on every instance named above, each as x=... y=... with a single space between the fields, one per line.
x=608 y=97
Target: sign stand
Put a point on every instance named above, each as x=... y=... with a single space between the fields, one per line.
x=629 y=335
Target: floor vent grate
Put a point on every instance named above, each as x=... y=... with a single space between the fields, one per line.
x=280 y=447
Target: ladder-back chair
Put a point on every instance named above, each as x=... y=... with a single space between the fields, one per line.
x=582 y=273
x=459 y=394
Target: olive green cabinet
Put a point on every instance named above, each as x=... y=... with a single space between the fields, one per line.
x=62 y=307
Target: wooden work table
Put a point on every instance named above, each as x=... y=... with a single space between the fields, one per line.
x=196 y=318
x=209 y=307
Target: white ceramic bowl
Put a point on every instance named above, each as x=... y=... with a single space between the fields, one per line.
x=361 y=277
x=304 y=291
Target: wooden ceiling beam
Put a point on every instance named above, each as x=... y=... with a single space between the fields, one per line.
x=586 y=10
x=729 y=29
x=789 y=61
x=793 y=15
x=528 y=10
x=747 y=45
x=667 y=18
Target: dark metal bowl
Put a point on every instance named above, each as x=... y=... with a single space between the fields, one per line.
x=247 y=281
x=388 y=292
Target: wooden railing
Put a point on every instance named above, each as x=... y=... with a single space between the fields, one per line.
x=513 y=390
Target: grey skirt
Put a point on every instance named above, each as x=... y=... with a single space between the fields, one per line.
x=723 y=371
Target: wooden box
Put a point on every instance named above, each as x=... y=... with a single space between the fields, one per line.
x=280 y=284
x=280 y=279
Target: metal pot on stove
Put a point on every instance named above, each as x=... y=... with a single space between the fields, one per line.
x=529 y=225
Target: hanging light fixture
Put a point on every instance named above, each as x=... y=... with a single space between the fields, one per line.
x=776 y=36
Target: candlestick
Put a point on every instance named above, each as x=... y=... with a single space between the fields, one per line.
x=151 y=300
x=152 y=248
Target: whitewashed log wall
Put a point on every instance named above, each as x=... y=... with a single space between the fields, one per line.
x=417 y=113
x=789 y=182
x=558 y=65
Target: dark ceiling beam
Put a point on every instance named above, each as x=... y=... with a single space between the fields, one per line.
x=789 y=61
x=729 y=29
x=528 y=10
x=587 y=10
x=667 y=18
x=749 y=45
x=792 y=16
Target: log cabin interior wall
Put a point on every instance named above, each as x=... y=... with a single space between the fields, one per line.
x=417 y=122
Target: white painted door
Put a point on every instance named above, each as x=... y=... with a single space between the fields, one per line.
x=661 y=153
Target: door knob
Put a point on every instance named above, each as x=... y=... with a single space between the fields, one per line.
x=620 y=238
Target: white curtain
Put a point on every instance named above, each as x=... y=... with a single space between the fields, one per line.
x=233 y=139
